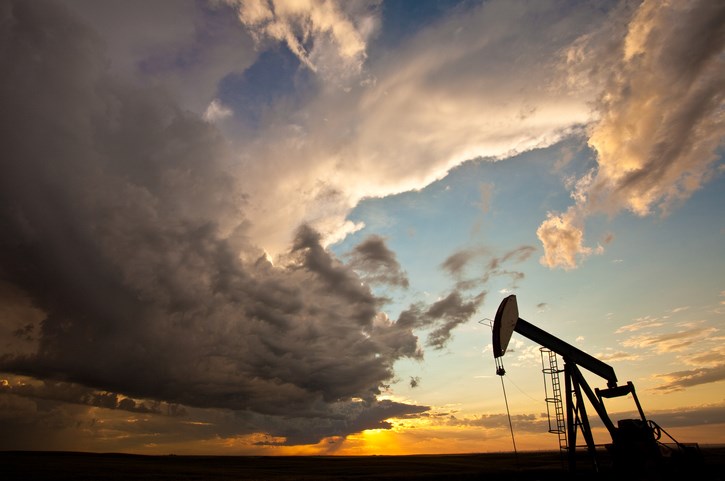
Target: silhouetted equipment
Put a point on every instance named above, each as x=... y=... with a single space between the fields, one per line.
x=635 y=443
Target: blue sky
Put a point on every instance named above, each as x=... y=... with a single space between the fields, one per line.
x=272 y=227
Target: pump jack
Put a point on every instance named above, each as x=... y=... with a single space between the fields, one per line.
x=635 y=442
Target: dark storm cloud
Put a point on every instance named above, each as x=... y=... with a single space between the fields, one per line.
x=33 y=423
x=122 y=222
x=377 y=263
x=357 y=417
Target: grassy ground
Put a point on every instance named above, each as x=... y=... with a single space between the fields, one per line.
x=53 y=466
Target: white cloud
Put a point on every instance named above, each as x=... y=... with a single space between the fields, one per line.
x=528 y=356
x=562 y=236
x=217 y=111
x=328 y=37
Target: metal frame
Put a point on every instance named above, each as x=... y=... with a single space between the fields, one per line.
x=574 y=382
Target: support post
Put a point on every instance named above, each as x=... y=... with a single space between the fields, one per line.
x=570 y=424
x=636 y=401
x=586 y=428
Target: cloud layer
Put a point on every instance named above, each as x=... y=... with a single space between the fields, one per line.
x=696 y=344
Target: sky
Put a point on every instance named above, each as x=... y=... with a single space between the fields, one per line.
x=283 y=226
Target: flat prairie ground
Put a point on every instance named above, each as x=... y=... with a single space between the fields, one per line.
x=527 y=466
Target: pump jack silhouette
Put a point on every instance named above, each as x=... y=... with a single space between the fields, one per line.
x=636 y=443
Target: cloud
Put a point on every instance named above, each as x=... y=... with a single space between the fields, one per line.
x=127 y=245
x=352 y=418
x=657 y=137
x=617 y=356
x=562 y=236
x=184 y=45
x=442 y=316
x=691 y=416
x=20 y=321
x=377 y=263
x=78 y=394
x=695 y=344
x=520 y=254
x=639 y=324
x=681 y=417
x=527 y=354
x=330 y=148
x=679 y=380
x=453 y=310
x=456 y=308
x=485 y=191
x=217 y=111
x=521 y=422
x=671 y=341
x=660 y=119
x=708 y=358
x=43 y=423
x=329 y=38
x=456 y=264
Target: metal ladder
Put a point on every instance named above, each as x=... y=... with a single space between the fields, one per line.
x=550 y=368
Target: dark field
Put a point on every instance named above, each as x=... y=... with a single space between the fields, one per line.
x=493 y=466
